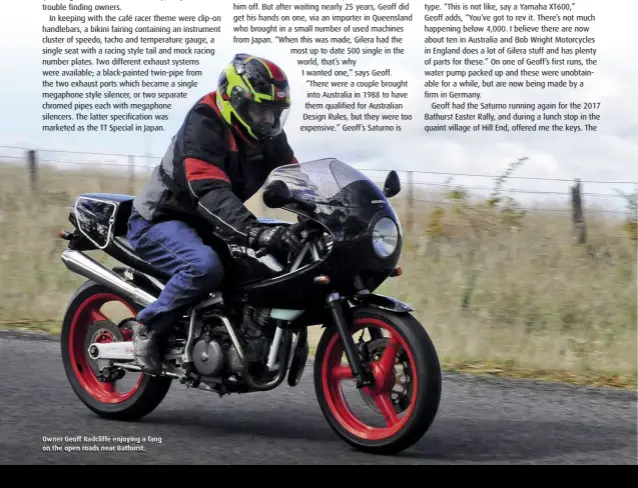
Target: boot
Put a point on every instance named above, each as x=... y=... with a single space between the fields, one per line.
x=148 y=352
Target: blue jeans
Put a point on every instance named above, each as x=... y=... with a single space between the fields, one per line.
x=175 y=248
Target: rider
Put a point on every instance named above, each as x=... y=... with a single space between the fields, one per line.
x=229 y=142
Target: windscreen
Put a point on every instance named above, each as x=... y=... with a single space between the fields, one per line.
x=320 y=181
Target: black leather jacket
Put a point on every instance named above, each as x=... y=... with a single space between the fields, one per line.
x=208 y=172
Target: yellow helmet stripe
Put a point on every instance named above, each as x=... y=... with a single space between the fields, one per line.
x=267 y=68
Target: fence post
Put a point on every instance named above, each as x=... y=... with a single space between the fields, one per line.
x=409 y=203
x=578 y=218
x=32 y=168
x=131 y=180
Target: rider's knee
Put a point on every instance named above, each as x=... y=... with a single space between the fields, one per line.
x=209 y=269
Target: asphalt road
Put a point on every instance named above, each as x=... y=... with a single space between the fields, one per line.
x=480 y=421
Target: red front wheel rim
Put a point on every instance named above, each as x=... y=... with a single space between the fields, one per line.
x=86 y=314
x=334 y=372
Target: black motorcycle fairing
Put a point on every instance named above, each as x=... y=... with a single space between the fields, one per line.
x=348 y=206
x=348 y=203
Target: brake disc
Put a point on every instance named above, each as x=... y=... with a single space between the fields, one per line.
x=400 y=397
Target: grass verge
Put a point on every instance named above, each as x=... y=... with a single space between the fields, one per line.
x=501 y=369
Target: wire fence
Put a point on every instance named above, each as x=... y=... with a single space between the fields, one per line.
x=612 y=198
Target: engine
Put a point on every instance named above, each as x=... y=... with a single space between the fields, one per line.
x=214 y=349
x=208 y=355
x=255 y=333
x=256 y=330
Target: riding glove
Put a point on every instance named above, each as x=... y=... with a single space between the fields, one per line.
x=273 y=238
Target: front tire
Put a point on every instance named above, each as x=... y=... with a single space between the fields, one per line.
x=84 y=317
x=420 y=404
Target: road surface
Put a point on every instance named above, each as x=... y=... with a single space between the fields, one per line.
x=480 y=421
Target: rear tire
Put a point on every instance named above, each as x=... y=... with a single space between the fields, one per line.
x=409 y=338
x=82 y=312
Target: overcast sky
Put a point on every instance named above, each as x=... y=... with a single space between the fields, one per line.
x=609 y=154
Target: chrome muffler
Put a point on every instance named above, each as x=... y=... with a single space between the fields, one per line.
x=83 y=265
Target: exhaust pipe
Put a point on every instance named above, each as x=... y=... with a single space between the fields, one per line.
x=83 y=265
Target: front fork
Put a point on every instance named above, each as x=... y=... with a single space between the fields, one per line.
x=362 y=374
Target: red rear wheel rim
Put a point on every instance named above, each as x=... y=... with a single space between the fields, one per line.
x=87 y=313
x=333 y=373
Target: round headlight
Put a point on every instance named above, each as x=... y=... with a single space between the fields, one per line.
x=385 y=237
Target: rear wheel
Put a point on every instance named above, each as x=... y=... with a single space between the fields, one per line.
x=85 y=322
x=407 y=390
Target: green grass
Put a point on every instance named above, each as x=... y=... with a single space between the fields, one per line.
x=500 y=293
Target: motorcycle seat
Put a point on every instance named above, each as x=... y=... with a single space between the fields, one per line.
x=124 y=252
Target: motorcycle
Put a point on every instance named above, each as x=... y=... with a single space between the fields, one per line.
x=252 y=334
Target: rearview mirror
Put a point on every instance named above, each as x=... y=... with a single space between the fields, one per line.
x=392 y=185
x=277 y=194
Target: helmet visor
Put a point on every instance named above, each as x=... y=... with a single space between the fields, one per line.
x=265 y=119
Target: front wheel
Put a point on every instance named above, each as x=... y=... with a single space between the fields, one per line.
x=406 y=394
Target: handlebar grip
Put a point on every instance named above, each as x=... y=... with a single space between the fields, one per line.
x=294 y=228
